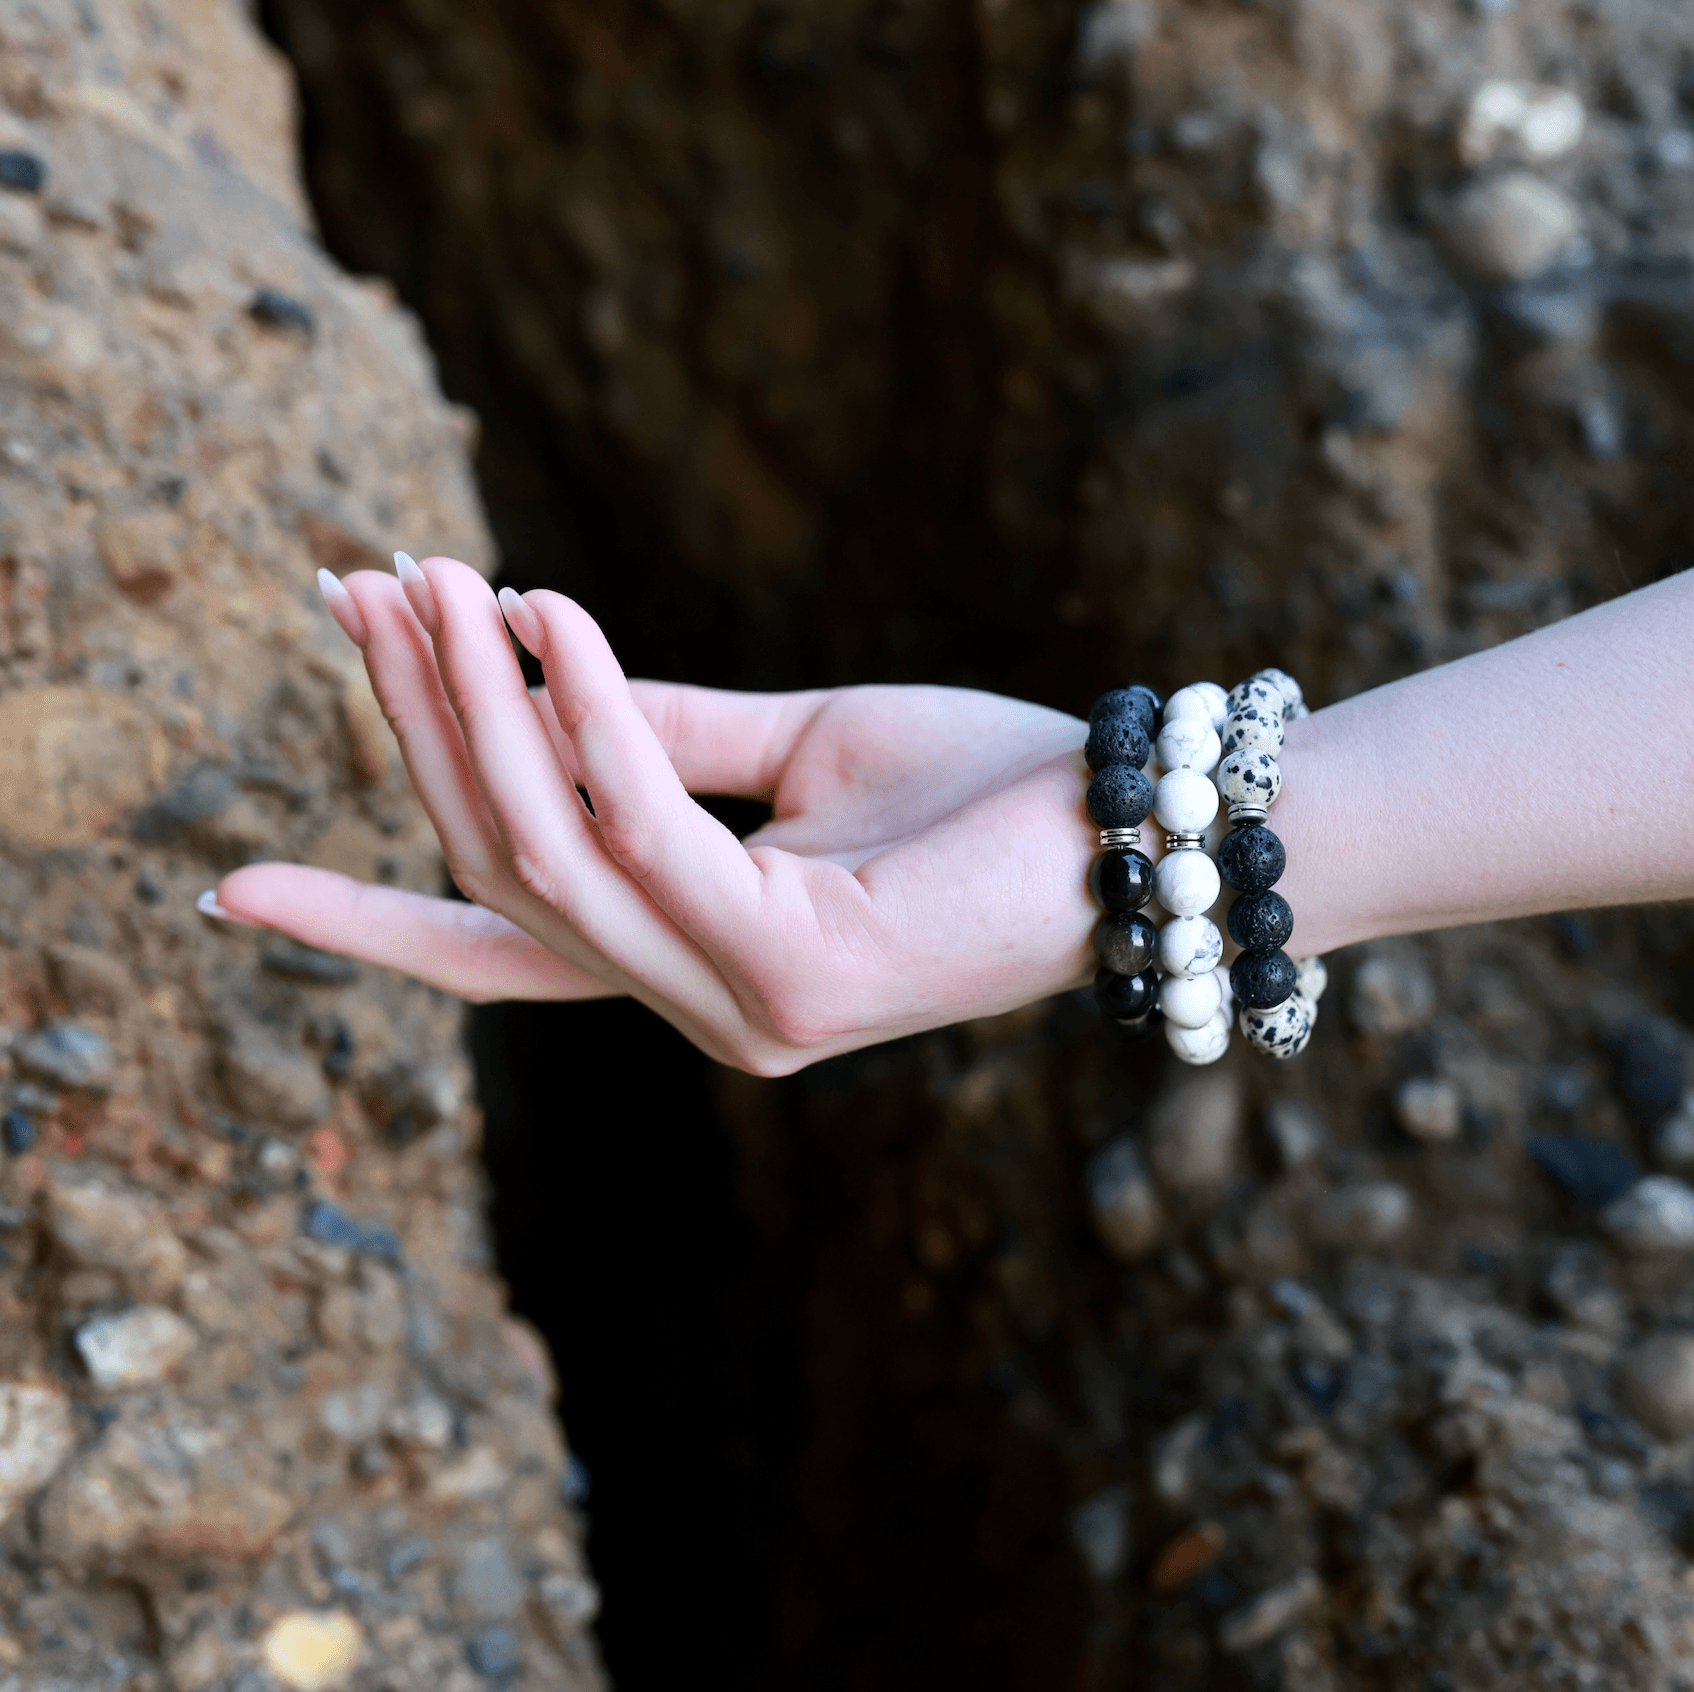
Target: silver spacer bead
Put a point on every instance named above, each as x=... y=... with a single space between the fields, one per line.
x=1185 y=842
x=1239 y=814
x=1113 y=838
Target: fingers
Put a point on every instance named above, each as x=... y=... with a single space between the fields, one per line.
x=462 y=949
x=721 y=742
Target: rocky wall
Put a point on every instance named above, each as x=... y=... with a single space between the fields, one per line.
x=1038 y=347
x=264 y=1420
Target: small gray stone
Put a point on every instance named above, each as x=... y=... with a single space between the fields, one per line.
x=1392 y=990
x=1194 y=1134
x=75 y=1058
x=353 y=1413
x=1655 y=1215
x=1100 y=1532
x=136 y=1348
x=268 y=1084
x=1656 y=1385
x=1124 y=1205
x=1429 y=1108
x=1370 y=1213
x=486 y=1587
x=1673 y=1141
x=572 y=1601
x=1510 y=228
x=1271 y=1613
x=494 y=1654
x=1297 y=1130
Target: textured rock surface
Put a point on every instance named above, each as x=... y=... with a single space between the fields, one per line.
x=182 y=1506
x=1041 y=347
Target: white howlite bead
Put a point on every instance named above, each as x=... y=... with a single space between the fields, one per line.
x=1198 y=699
x=1247 y=777
x=1190 y=1001
x=1253 y=725
x=1283 y=1030
x=1190 y=945
x=1185 y=802
x=1292 y=698
x=1186 y=883
x=1310 y=978
x=1205 y=1044
x=1189 y=743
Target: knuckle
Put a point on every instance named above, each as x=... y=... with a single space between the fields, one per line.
x=535 y=878
x=635 y=846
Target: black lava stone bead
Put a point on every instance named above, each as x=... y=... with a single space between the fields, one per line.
x=1251 y=858
x=1262 y=979
x=1119 y=796
x=1136 y=701
x=1121 y=880
x=1260 y=922
x=1117 y=740
x=1125 y=998
x=1125 y=944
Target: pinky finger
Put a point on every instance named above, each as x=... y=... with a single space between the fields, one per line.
x=462 y=949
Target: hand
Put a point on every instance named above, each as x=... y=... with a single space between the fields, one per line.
x=926 y=860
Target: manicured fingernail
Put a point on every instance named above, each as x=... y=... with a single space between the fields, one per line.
x=522 y=621
x=418 y=596
x=207 y=905
x=342 y=608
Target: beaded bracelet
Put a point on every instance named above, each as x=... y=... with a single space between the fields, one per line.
x=1278 y=997
x=1120 y=740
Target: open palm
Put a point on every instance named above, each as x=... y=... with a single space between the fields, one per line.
x=926 y=858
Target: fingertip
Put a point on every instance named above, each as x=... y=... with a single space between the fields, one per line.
x=416 y=586
x=523 y=622
x=347 y=615
x=207 y=905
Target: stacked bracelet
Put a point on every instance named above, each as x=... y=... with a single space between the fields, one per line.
x=1278 y=998
x=1120 y=740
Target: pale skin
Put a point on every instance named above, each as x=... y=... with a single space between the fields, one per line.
x=928 y=852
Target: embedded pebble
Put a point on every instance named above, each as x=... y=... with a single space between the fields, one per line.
x=1297 y=1130
x=1184 y=802
x=1516 y=119
x=1249 y=777
x=1392 y=990
x=136 y=1348
x=1371 y=1213
x=1100 y=1532
x=1271 y=1613
x=1656 y=1384
x=37 y=1435
x=1189 y=945
x=1655 y=1215
x=1511 y=228
x=1125 y=1208
x=74 y=1058
x=1186 y=883
x=1190 y=1001
x=1429 y=1108
x=1205 y=1044
x=313 y=1650
x=1195 y=1134
x=1188 y=743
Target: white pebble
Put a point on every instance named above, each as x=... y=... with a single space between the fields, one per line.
x=1186 y=883
x=1185 y=802
x=1190 y=1001
x=1247 y=777
x=1189 y=945
x=1205 y=1044
x=1311 y=976
x=1189 y=743
x=1292 y=697
x=1283 y=1030
x=1257 y=726
x=1199 y=699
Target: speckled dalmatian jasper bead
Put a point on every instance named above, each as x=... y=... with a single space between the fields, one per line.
x=1255 y=691
x=1257 y=726
x=1189 y=945
x=1186 y=883
x=1282 y=1031
x=1205 y=1044
x=1190 y=1001
x=1185 y=802
x=1310 y=978
x=1189 y=743
x=1293 y=700
x=1249 y=777
x=1201 y=699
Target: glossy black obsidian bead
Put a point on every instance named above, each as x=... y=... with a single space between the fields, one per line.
x=1125 y=998
x=1138 y=1027
x=1125 y=944
x=1260 y=922
x=1262 y=979
x=1117 y=740
x=1119 y=796
x=1140 y=702
x=1251 y=858
x=1122 y=879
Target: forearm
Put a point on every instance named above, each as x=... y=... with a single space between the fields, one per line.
x=1551 y=773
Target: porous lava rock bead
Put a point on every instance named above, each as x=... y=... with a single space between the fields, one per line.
x=1125 y=998
x=1125 y=944
x=1262 y=979
x=1283 y=1030
x=1251 y=858
x=1205 y=1044
x=1117 y=740
x=1260 y=922
x=1249 y=777
x=1119 y=796
x=1122 y=879
x=1136 y=701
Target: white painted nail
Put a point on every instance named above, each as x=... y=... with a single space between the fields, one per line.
x=342 y=607
x=207 y=905
x=418 y=594
x=406 y=567
x=521 y=620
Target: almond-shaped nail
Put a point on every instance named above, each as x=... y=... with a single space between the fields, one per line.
x=207 y=905
x=342 y=607
x=418 y=596
x=523 y=622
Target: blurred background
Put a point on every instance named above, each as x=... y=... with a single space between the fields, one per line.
x=1032 y=348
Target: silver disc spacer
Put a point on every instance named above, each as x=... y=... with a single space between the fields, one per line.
x=1185 y=842
x=1113 y=838
x=1247 y=813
